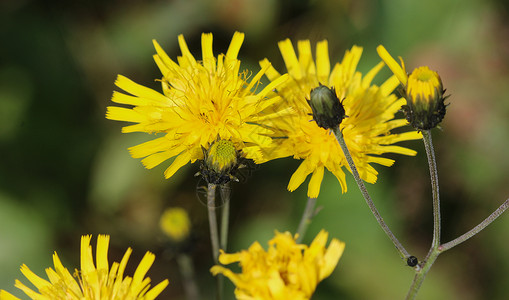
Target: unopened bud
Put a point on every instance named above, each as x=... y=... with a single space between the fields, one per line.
x=328 y=112
x=424 y=92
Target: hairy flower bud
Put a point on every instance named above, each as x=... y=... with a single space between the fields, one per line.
x=423 y=91
x=425 y=107
x=328 y=112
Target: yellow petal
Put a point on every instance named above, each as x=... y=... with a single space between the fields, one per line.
x=270 y=72
x=141 y=91
x=4 y=295
x=290 y=58
x=186 y=55
x=155 y=291
x=392 y=64
x=332 y=256
x=323 y=62
x=142 y=269
x=235 y=44
x=315 y=182
x=102 y=252
x=179 y=162
x=155 y=159
x=209 y=61
x=37 y=281
x=299 y=175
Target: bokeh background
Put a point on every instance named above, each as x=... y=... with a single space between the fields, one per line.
x=65 y=170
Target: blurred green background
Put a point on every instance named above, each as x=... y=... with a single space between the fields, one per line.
x=66 y=171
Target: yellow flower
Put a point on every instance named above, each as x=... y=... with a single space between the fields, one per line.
x=175 y=223
x=370 y=111
x=202 y=101
x=423 y=90
x=287 y=270
x=92 y=282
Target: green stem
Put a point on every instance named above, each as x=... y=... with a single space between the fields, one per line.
x=430 y=152
x=477 y=228
x=185 y=264
x=214 y=236
x=420 y=274
x=211 y=206
x=339 y=137
x=309 y=213
x=225 y=215
x=434 y=250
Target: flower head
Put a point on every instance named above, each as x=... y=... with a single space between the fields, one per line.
x=287 y=270
x=367 y=129
x=202 y=101
x=175 y=223
x=93 y=281
x=221 y=162
x=423 y=91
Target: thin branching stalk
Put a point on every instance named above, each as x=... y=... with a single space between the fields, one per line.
x=307 y=216
x=339 y=137
x=477 y=228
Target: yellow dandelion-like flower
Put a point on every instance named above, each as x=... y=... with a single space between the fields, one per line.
x=93 y=281
x=423 y=90
x=369 y=110
x=175 y=223
x=202 y=101
x=287 y=270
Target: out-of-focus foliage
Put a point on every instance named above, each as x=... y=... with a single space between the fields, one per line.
x=65 y=169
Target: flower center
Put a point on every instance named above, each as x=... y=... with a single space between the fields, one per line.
x=423 y=85
x=222 y=155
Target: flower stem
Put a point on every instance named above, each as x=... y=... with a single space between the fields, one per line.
x=225 y=214
x=425 y=266
x=477 y=228
x=430 y=152
x=420 y=274
x=214 y=236
x=309 y=213
x=185 y=264
x=339 y=137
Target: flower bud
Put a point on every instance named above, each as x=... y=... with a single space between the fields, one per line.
x=328 y=112
x=425 y=107
x=423 y=91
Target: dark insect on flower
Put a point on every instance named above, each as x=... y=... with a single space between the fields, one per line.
x=412 y=261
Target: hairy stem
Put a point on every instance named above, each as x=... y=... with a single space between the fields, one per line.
x=339 y=137
x=308 y=214
x=501 y=209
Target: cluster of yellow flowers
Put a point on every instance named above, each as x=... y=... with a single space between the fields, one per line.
x=92 y=281
x=212 y=99
x=212 y=110
x=287 y=270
